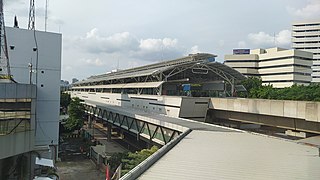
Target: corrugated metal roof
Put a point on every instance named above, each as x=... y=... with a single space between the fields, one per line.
x=163 y=66
x=234 y=155
x=214 y=152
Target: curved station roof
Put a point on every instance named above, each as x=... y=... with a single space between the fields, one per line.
x=192 y=68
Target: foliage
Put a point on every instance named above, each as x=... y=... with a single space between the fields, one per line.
x=115 y=160
x=76 y=112
x=296 y=92
x=130 y=160
x=65 y=100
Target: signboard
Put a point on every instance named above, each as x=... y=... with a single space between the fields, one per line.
x=186 y=87
x=241 y=51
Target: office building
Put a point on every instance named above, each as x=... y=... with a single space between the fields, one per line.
x=276 y=66
x=306 y=37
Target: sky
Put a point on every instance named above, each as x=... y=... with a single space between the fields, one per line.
x=102 y=35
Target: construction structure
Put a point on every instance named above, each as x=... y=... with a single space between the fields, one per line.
x=278 y=67
x=4 y=59
x=29 y=99
x=306 y=37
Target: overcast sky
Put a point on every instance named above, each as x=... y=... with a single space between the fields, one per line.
x=101 y=35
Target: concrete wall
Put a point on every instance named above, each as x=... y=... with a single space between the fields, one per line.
x=194 y=108
x=18 y=142
x=168 y=105
x=46 y=62
x=307 y=110
x=173 y=106
x=17 y=91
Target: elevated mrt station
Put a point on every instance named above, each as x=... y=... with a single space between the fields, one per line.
x=197 y=73
x=172 y=87
x=166 y=104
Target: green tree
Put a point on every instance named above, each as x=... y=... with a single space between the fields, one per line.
x=76 y=112
x=133 y=159
x=252 y=84
x=65 y=100
x=295 y=92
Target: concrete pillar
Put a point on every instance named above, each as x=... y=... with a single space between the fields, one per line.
x=89 y=121
x=109 y=131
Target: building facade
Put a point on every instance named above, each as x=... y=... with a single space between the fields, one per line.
x=276 y=66
x=30 y=127
x=306 y=37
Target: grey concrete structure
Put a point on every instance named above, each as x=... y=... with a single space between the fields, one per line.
x=29 y=105
x=16 y=137
x=40 y=53
x=294 y=115
x=206 y=151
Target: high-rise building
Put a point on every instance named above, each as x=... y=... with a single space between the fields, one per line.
x=276 y=66
x=30 y=105
x=306 y=37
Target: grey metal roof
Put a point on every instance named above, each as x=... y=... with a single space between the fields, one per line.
x=214 y=152
x=121 y=75
x=158 y=68
x=235 y=155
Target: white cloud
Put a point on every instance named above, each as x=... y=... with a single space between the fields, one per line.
x=157 y=49
x=94 y=62
x=194 y=50
x=157 y=44
x=263 y=40
x=309 y=11
x=95 y=43
x=125 y=44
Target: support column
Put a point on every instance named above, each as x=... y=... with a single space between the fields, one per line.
x=232 y=88
x=109 y=131
x=89 y=121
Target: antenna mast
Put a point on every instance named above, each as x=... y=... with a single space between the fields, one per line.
x=31 y=25
x=4 y=58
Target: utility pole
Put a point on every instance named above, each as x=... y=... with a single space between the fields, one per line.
x=32 y=19
x=4 y=58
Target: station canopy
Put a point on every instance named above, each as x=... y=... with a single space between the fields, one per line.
x=199 y=67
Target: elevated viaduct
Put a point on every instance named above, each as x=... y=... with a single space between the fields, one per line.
x=293 y=115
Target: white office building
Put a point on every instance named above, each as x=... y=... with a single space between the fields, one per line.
x=276 y=66
x=29 y=107
x=306 y=37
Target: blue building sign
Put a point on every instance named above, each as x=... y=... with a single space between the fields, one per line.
x=241 y=51
x=186 y=87
x=211 y=59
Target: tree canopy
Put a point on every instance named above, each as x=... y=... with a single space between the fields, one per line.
x=76 y=112
x=65 y=100
x=130 y=160
x=296 y=92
